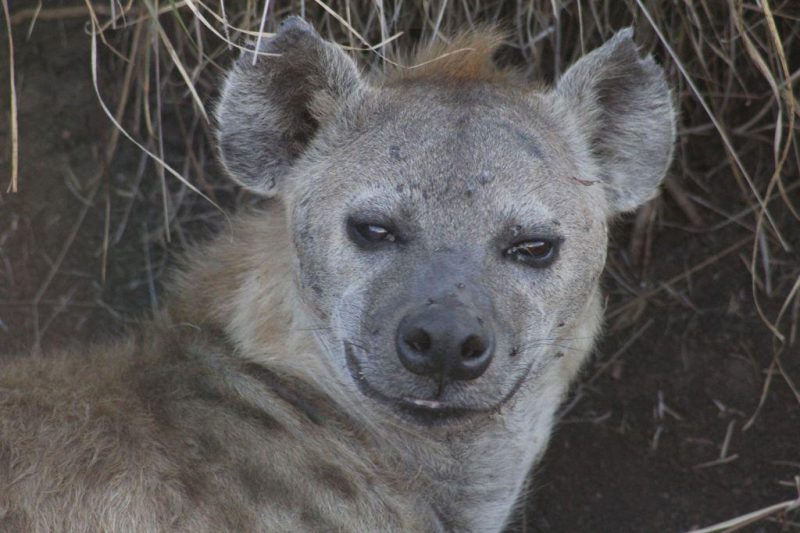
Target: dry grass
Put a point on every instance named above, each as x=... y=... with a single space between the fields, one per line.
x=740 y=522
x=12 y=105
x=735 y=66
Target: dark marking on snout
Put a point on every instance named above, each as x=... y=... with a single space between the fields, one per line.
x=559 y=355
x=446 y=340
x=421 y=414
x=334 y=479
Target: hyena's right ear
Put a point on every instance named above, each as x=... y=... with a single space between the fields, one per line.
x=270 y=112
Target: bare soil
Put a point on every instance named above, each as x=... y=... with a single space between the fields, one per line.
x=640 y=443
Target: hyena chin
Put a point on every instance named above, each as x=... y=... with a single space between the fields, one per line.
x=384 y=346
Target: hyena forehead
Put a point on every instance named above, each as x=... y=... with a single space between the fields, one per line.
x=431 y=149
x=457 y=123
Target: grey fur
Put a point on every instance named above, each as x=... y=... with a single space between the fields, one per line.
x=269 y=112
x=267 y=395
x=622 y=103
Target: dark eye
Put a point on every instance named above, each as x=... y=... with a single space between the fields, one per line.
x=368 y=233
x=537 y=253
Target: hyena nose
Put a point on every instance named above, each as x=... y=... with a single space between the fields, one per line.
x=445 y=340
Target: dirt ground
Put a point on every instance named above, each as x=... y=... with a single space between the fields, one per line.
x=676 y=379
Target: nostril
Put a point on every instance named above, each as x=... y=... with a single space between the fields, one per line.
x=418 y=340
x=473 y=347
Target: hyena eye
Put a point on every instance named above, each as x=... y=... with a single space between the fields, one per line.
x=368 y=233
x=538 y=253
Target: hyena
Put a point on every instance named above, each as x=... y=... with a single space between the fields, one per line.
x=381 y=348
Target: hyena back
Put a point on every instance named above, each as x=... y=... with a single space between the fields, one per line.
x=385 y=345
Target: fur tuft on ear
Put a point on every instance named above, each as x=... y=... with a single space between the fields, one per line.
x=270 y=112
x=623 y=105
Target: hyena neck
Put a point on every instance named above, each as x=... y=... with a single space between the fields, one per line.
x=242 y=283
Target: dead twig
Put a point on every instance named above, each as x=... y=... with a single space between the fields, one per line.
x=13 y=185
x=734 y=524
x=677 y=193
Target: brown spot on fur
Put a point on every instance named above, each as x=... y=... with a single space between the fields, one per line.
x=237 y=517
x=241 y=409
x=468 y=57
x=185 y=378
x=298 y=395
x=314 y=520
x=11 y=520
x=193 y=484
x=333 y=478
x=5 y=457
x=205 y=447
x=262 y=485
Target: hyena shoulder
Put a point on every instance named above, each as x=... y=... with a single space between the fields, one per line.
x=168 y=432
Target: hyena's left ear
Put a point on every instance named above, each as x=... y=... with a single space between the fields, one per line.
x=623 y=105
x=270 y=112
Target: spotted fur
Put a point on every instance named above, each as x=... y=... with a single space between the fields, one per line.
x=266 y=395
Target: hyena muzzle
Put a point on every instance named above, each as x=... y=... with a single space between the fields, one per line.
x=385 y=344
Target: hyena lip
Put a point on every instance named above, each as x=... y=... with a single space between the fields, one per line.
x=420 y=411
x=426 y=404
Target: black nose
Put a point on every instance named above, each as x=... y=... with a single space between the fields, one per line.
x=445 y=340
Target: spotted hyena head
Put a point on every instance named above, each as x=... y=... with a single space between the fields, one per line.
x=449 y=221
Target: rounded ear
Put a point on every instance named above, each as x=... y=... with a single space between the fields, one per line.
x=270 y=111
x=623 y=105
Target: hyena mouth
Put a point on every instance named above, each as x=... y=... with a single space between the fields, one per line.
x=422 y=411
